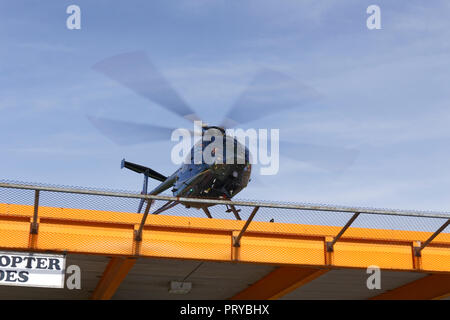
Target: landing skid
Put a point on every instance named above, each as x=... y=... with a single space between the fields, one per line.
x=208 y=214
x=232 y=208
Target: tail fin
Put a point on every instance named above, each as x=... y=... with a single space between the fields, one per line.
x=141 y=169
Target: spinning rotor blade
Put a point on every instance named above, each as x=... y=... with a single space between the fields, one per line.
x=268 y=93
x=128 y=133
x=135 y=71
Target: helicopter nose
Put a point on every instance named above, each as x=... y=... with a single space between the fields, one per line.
x=226 y=170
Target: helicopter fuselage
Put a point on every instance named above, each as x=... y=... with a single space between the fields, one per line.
x=221 y=175
x=223 y=179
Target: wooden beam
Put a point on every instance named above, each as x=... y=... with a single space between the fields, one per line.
x=279 y=282
x=431 y=287
x=116 y=270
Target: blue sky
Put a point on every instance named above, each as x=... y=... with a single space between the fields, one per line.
x=385 y=92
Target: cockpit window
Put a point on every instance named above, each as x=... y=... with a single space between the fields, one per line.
x=239 y=155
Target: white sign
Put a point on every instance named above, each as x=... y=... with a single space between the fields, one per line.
x=32 y=269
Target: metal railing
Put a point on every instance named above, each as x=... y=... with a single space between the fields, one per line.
x=231 y=206
x=393 y=212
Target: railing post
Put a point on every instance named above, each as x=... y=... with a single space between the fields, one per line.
x=35 y=225
x=138 y=233
x=237 y=240
x=330 y=245
x=418 y=250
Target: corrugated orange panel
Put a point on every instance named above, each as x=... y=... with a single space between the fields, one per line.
x=14 y=234
x=286 y=251
x=3 y=208
x=86 y=239
x=90 y=215
x=111 y=233
x=187 y=245
x=363 y=255
x=434 y=258
x=16 y=209
x=225 y=225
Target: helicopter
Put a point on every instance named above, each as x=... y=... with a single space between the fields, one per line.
x=269 y=92
x=221 y=179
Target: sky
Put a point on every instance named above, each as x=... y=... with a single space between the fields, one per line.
x=384 y=93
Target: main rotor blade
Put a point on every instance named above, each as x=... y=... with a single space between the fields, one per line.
x=128 y=133
x=269 y=92
x=135 y=71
